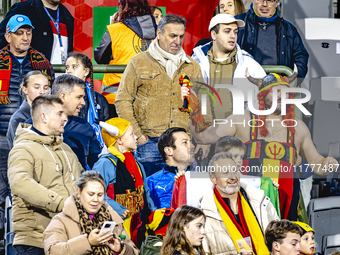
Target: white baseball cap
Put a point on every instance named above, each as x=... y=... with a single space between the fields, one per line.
x=224 y=19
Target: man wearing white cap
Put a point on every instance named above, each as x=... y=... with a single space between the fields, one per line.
x=16 y=60
x=223 y=62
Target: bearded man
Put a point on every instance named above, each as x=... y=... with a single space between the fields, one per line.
x=273 y=142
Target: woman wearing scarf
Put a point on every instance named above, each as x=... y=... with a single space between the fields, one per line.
x=125 y=179
x=96 y=106
x=76 y=230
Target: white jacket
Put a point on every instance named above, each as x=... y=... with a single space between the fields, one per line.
x=243 y=61
x=217 y=239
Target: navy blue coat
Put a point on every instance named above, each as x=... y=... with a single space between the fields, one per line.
x=103 y=111
x=17 y=74
x=80 y=136
x=290 y=48
x=42 y=39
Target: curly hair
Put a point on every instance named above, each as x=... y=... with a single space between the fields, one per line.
x=131 y=8
x=290 y=113
x=277 y=230
x=175 y=237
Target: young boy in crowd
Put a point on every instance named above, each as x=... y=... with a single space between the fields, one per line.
x=307 y=239
x=125 y=179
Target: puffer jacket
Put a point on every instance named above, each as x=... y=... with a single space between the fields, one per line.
x=42 y=173
x=244 y=61
x=150 y=99
x=63 y=235
x=17 y=74
x=108 y=170
x=217 y=239
x=21 y=115
x=290 y=48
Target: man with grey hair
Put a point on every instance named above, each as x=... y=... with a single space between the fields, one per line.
x=78 y=134
x=149 y=94
x=234 y=211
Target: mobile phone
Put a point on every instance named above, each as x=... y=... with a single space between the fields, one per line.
x=108 y=225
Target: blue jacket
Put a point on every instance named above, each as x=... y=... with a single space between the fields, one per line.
x=108 y=170
x=21 y=115
x=290 y=48
x=161 y=185
x=79 y=135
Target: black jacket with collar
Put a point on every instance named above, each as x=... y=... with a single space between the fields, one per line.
x=290 y=48
x=42 y=39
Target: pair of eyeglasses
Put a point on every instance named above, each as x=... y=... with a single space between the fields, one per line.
x=268 y=1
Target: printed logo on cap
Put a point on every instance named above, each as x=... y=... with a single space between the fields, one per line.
x=7 y=29
x=20 y=19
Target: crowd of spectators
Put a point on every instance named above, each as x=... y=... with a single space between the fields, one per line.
x=73 y=160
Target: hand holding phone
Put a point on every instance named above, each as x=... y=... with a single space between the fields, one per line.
x=108 y=225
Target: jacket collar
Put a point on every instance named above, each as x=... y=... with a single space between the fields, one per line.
x=144 y=26
x=209 y=206
x=24 y=133
x=25 y=109
x=172 y=169
x=202 y=51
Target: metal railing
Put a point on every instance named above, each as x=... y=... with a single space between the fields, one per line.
x=6 y=5
x=96 y=68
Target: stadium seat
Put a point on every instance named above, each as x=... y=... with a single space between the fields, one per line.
x=330 y=244
x=8 y=215
x=325 y=124
x=9 y=235
x=324 y=217
x=9 y=249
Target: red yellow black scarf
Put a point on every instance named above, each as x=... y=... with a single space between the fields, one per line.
x=249 y=225
x=38 y=60
x=128 y=190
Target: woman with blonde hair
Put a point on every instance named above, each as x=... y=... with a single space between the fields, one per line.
x=185 y=232
x=35 y=83
x=77 y=229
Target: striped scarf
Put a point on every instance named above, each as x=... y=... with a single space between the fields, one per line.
x=38 y=60
x=249 y=226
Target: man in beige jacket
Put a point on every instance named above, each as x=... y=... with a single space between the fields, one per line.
x=234 y=211
x=149 y=94
x=42 y=173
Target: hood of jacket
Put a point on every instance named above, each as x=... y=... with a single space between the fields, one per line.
x=200 y=54
x=144 y=26
x=208 y=204
x=24 y=133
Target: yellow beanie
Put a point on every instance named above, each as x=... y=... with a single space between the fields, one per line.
x=121 y=124
x=305 y=227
